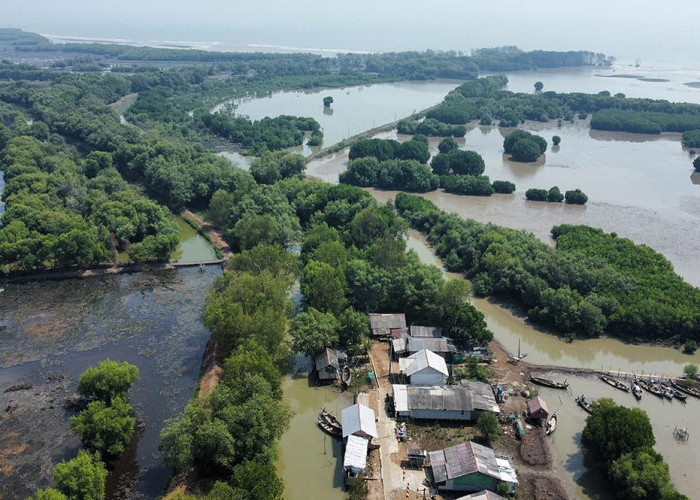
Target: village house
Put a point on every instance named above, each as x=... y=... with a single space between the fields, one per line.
x=470 y=467
x=537 y=409
x=383 y=325
x=404 y=346
x=328 y=363
x=424 y=368
x=465 y=402
x=359 y=427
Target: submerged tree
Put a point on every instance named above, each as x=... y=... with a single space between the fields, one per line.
x=327 y=101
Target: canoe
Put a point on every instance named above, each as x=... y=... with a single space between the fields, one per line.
x=584 y=403
x=548 y=383
x=615 y=383
x=675 y=392
x=687 y=390
x=637 y=390
x=551 y=424
x=329 y=429
x=653 y=388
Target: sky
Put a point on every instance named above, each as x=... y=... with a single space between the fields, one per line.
x=624 y=28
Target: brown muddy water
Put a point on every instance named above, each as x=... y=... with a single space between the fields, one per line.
x=639 y=186
x=51 y=331
x=512 y=330
x=311 y=462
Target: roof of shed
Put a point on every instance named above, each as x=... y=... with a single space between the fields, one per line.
x=359 y=418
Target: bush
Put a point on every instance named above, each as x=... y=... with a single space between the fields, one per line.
x=82 y=478
x=109 y=380
x=554 y=195
x=556 y=140
x=446 y=145
x=107 y=429
x=535 y=194
x=473 y=185
x=576 y=197
x=696 y=164
x=526 y=150
x=505 y=187
x=690 y=347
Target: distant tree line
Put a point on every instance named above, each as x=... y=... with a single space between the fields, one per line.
x=592 y=284
x=483 y=99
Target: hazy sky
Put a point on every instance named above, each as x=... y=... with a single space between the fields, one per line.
x=607 y=26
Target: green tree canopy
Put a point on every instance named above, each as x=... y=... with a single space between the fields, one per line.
x=106 y=429
x=612 y=430
x=488 y=426
x=313 y=330
x=109 y=380
x=81 y=478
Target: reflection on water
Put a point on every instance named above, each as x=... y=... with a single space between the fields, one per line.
x=311 y=462
x=153 y=320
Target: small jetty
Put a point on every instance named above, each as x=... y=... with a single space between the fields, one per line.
x=688 y=390
x=584 y=403
x=329 y=424
x=551 y=424
x=548 y=383
x=615 y=383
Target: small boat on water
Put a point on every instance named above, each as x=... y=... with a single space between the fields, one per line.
x=551 y=424
x=687 y=390
x=636 y=390
x=654 y=389
x=330 y=424
x=675 y=392
x=615 y=383
x=584 y=403
x=548 y=383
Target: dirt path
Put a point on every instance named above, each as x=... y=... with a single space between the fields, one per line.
x=398 y=482
x=216 y=238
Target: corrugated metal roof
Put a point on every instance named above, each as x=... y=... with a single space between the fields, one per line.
x=355 y=457
x=400 y=395
x=463 y=459
x=435 y=345
x=329 y=357
x=434 y=332
x=381 y=324
x=482 y=395
x=426 y=359
x=537 y=405
x=483 y=495
x=359 y=419
x=470 y=397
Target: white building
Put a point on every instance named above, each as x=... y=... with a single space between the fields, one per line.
x=424 y=368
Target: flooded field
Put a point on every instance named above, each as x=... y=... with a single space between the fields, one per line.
x=151 y=320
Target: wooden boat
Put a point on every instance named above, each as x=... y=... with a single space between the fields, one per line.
x=548 y=383
x=330 y=424
x=328 y=428
x=615 y=383
x=584 y=403
x=551 y=424
x=674 y=392
x=653 y=388
x=636 y=390
x=687 y=390
x=346 y=375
